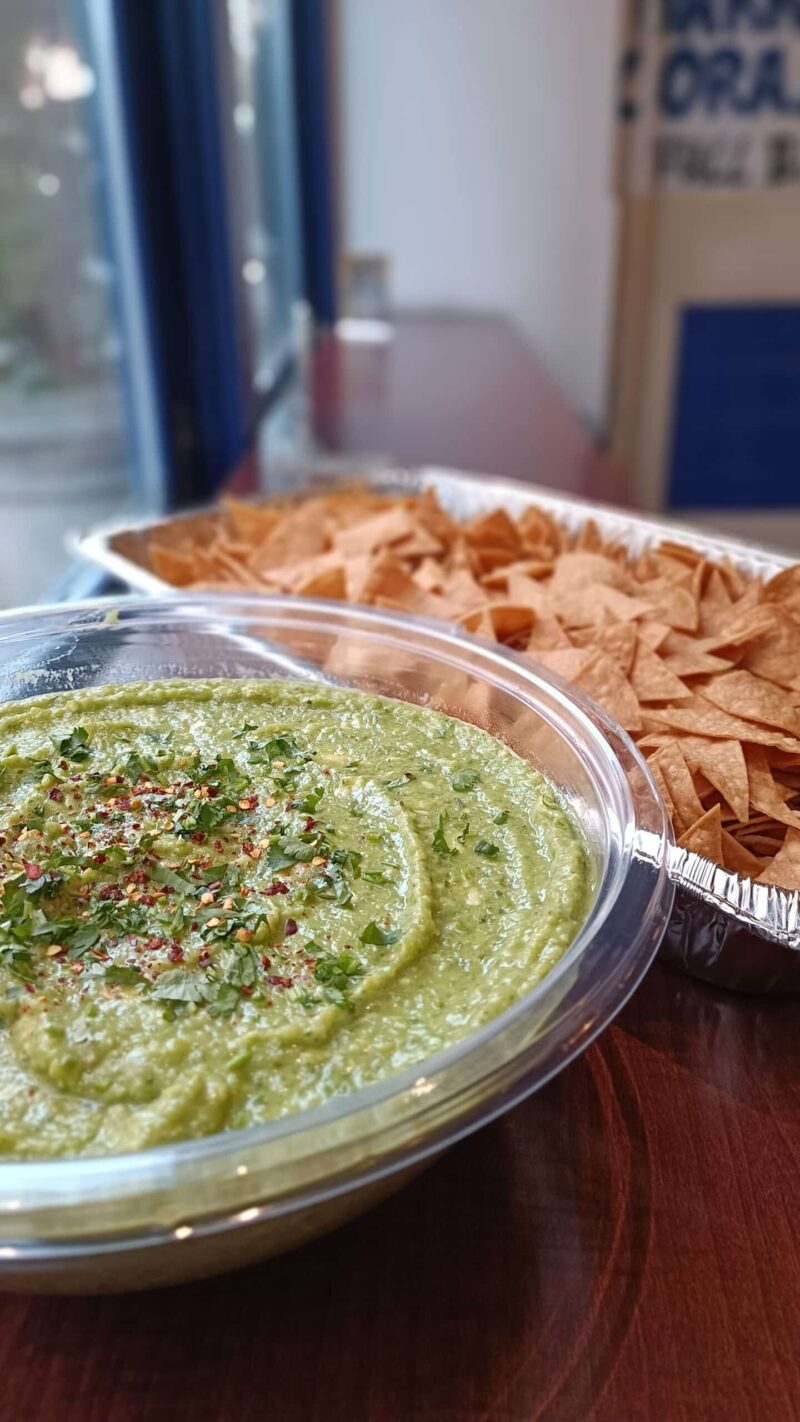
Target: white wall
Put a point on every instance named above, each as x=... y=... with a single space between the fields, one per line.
x=476 y=148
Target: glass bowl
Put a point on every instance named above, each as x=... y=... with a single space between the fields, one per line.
x=166 y=1214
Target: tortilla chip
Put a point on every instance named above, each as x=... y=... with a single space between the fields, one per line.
x=753 y=699
x=724 y=766
x=330 y=583
x=701 y=718
x=775 y=653
x=652 y=680
x=672 y=765
x=784 y=871
x=174 y=567
x=765 y=795
x=510 y=620
x=705 y=836
x=251 y=522
x=568 y=662
x=575 y=572
x=547 y=634
x=604 y=681
x=738 y=858
x=494 y=530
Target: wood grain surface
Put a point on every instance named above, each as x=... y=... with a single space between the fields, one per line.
x=460 y=390
x=623 y=1246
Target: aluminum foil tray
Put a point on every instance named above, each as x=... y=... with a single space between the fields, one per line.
x=724 y=928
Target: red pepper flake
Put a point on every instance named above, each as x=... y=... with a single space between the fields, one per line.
x=111 y=891
x=218 y=845
x=175 y=955
x=148 y=900
x=33 y=871
x=247 y=991
x=204 y=958
x=290 y=927
x=266 y=962
x=277 y=888
x=198 y=837
x=279 y=982
x=2 y=839
x=55 y=794
x=29 y=987
x=309 y=824
x=100 y=859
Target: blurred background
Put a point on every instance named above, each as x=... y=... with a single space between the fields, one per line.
x=556 y=240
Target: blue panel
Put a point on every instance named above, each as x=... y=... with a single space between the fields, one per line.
x=736 y=438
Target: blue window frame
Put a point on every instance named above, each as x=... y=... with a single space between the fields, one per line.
x=162 y=165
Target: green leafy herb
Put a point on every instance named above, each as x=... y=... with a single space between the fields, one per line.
x=349 y=857
x=439 y=841
x=124 y=977
x=399 y=780
x=377 y=876
x=465 y=780
x=308 y=804
x=162 y=875
x=75 y=747
x=483 y=846
x=179 y=985
x=223 y=999
x=81 y=941
x=336 y=974
x=501 y=818
x=382 y=937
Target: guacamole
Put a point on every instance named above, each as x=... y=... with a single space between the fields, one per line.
x=224 y=901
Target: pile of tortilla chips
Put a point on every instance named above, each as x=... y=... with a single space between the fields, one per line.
x=700 y=665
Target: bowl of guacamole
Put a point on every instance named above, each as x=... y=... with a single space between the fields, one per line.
x=291 y=896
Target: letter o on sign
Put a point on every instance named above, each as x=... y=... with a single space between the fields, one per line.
x=681 y=83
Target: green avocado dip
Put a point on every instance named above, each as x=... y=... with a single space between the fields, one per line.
x=224 y=901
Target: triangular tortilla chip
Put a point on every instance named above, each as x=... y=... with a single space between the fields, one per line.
x=603 y=680
x=672 y=765
x=723 y=764
x=753 y=699
x=765 y=795
x=784 y=871
x=705 y=836
x=653 y=681
x=737 y=857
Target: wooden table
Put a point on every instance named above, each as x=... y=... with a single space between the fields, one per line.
x=458 y=390
x=623 y=1246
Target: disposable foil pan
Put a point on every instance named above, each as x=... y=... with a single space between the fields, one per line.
x=724 y=928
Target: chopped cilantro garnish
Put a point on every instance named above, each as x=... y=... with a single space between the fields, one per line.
x=439 y=841
x=483 y=846
x=308 y=804
x=75 y=747
x=223 y=999
x=399 y=780
x=122 y=976
x=501 y=818
x=382 y=937
x=163 y=875
x=179 y=985
x=377 y=876
x=465 y=780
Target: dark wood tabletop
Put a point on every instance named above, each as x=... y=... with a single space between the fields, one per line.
x=625 y=1245
x=622 y=1247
